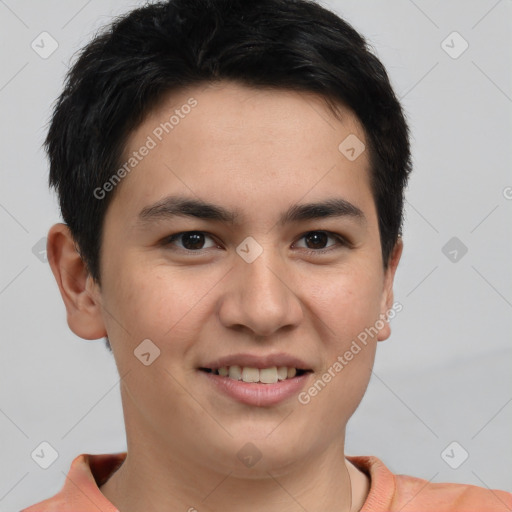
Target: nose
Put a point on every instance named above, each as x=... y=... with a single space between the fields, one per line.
x=259 y=297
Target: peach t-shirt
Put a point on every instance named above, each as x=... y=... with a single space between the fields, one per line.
x=388 y=492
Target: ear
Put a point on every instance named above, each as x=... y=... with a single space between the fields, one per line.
x=80 y=293
x=387 y=292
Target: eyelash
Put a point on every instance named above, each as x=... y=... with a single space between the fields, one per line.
x=342 y=242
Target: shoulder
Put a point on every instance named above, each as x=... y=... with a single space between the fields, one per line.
x=80 y=492
x=390 y=492
x=412 y=492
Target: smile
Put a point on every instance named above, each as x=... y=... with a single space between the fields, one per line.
x=260 y=387
x=250 y=374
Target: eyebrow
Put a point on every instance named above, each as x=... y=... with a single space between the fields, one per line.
x=182 y=206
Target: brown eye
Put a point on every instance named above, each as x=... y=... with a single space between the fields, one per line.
x=317 y=240
x=190 y=240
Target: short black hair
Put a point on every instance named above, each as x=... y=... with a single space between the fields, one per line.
x=141 y=57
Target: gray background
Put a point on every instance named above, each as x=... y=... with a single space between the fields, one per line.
x=445 y=374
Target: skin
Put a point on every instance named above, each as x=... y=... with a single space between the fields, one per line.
x=258 y=152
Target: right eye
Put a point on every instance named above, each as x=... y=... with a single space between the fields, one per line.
x=192 y=241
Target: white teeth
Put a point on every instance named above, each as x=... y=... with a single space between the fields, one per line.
x=282 y=372
x=268 y=375
x=264 y=375
x=235 y=372
x=250 y=374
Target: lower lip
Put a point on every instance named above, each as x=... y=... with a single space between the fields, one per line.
x=252 y=393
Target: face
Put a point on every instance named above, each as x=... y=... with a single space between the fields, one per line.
x=211 y=252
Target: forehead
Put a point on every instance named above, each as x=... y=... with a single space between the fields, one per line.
x=230 y=142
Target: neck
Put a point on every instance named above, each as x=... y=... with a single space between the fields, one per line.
x=152 y=482
x=162 y=472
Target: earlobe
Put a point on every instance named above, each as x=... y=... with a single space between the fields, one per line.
x=387 y=295
x=83 y=305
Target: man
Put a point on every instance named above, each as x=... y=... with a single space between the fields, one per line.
x=231 y=177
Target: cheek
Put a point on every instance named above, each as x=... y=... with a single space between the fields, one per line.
x=348 y=307
x=347 y=302
x=156 y=302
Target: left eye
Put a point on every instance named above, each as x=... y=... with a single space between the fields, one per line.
x=318 y=239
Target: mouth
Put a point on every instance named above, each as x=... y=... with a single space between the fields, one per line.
x=260 y=380
x=250 y=374
x=263 y=386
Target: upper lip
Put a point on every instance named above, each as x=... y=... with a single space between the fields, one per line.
x=258 y=361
